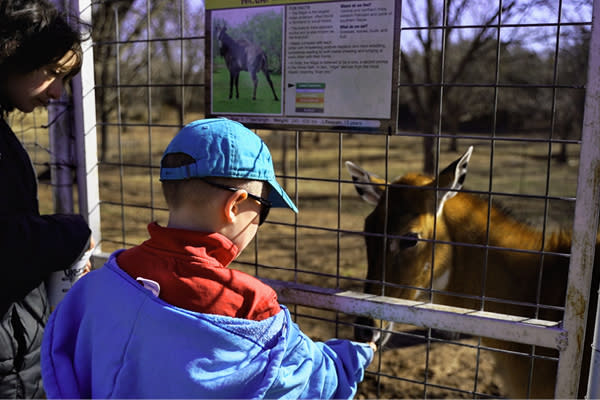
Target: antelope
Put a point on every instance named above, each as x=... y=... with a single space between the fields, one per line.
x=439 y=237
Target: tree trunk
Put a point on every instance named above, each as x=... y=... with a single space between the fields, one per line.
x=453 y=130
x=429 y=155
x=284 y=168
x=563 y=158
x=429 y=126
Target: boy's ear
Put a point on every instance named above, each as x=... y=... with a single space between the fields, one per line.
x=231 y=204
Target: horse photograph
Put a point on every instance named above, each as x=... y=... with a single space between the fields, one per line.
x=247 y=61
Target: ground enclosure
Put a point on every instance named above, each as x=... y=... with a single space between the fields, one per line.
x=517 y=100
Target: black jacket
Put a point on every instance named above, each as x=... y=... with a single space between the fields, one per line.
x=31 y=247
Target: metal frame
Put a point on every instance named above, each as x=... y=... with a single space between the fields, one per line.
x=84 y=124
x=565 y=337
x=479 y=323
x=71 y=128
x=72 y=133
x=585 y=226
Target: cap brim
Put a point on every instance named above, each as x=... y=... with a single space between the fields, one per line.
x=279 y=198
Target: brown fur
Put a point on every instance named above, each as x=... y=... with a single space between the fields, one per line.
x=510 y=274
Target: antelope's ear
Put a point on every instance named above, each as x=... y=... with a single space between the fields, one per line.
x=452 y=178
x=369 y=187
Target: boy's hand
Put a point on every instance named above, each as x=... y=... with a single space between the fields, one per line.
x=373 y=346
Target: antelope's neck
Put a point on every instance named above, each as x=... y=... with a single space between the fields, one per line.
x=466 y=217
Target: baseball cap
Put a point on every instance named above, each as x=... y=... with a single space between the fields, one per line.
x=224 y=148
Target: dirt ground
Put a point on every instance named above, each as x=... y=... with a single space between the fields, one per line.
x=415 y=363
x=452 y=370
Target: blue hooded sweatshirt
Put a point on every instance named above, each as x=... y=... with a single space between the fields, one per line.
x=112 y=338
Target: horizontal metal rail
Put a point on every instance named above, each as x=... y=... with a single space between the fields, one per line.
x=479 y=323
x=437 y=316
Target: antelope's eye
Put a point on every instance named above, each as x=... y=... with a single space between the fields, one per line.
x=403 y=242
x=408 y=240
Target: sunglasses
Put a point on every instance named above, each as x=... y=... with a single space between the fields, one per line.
x=265 y=205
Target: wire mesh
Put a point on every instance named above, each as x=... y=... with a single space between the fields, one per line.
x=506 y=77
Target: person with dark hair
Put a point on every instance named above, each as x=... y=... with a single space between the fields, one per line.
x=39 y=52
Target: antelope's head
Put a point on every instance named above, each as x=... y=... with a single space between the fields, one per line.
x=220 y=32
x=403 y=232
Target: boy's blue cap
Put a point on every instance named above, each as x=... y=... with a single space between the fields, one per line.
x=224 y=148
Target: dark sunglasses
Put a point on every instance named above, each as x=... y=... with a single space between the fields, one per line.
x=265 y=205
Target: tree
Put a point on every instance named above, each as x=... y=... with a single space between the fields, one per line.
x=265 y=30
x=572 y=71
x=446 y=44
x=141 y=42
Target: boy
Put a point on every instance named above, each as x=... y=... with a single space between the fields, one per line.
x=169 y=319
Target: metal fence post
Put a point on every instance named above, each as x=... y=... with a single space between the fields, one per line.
x=61 y=173
x=60 y=155
x=592 y=123
x=84 y=126
x=585 y=225
x=73 y=149
x=593 y=389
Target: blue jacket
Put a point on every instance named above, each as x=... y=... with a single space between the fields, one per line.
x=112 y=338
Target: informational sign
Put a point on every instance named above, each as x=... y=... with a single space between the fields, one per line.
x=320 y=65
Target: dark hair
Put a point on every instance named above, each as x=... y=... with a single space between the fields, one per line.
x=177 y=190
x=172 y=189
x=33 y=33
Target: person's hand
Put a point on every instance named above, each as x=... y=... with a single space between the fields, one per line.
x=88 y=264
x=373 y=346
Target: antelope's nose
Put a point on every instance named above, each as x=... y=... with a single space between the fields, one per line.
x=363 y=331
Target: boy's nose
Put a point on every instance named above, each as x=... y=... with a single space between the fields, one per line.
x=55 y=89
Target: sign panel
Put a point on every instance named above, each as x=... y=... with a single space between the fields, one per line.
x=316 y=65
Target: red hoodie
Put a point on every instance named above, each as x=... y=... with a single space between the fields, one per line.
x=191 y=269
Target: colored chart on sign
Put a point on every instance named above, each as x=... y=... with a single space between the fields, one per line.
x=310 y=97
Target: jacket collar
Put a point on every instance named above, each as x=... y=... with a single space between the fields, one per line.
x=211 y=248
